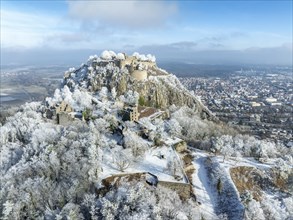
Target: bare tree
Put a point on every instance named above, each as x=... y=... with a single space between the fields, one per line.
x=121 y=162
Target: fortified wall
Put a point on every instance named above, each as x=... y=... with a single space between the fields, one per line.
x=184 y=190
x=137 y=68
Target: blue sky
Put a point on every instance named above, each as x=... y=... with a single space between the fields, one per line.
x=162 y=27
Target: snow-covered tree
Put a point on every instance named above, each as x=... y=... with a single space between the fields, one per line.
x=121 y=161
x=223 y=145
x=174 y=128
x=130 y=97
x=103 y=93
x=113 y=93
x=273 y=209
x=106 y=55
x=173 y=167
x=120 y=56
x=7 y=211
x=252 y=207
x=137 y=145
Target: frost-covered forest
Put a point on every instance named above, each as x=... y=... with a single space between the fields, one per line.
x=54 y=171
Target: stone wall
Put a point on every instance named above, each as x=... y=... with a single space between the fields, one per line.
x=148 y=64
x=125 y=62
x=184 y=190
x=64 y=118
x=139 y=74
x=64 y=107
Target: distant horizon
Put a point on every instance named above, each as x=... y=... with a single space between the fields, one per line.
x=206 y=32
x=77 y=57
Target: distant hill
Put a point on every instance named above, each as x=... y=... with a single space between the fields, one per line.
x=181 y=69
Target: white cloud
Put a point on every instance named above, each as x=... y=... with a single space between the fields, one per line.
x=68 y=38
x=20 y=29
x=35 y=30
x=129 y=14
x=184 y=45
x=116 y=25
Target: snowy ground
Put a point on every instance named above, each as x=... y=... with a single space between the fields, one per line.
x=200 y=181
x=151 y=162
x=235 y=162
x=202 y=188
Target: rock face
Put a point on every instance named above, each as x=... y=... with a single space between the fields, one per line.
x=139 y=73
x=256 y=181
x=248 y=178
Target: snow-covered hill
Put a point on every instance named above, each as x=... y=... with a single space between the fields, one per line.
x=138 y=73
x=122 y=139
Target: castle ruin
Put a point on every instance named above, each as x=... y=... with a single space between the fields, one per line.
x=137 y=68
x=63 y=112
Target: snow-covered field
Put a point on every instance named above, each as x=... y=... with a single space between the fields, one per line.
x=155 y=161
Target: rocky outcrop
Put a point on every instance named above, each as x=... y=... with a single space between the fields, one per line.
x=184 y=190
x=156 y=88
x=257 y=181
x=248 y=178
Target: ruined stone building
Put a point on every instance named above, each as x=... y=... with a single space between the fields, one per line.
x=64 y=113
x=137 y=68
x=130 y=114
x=63 y=107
